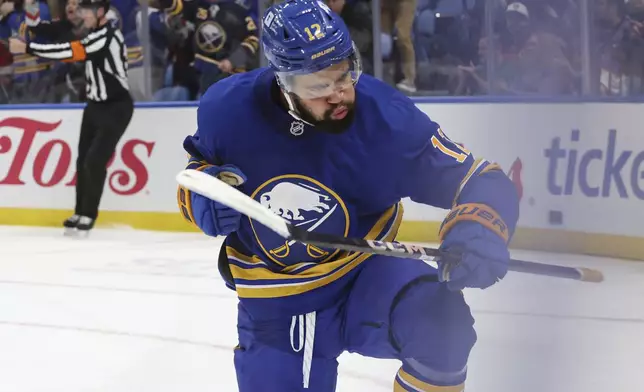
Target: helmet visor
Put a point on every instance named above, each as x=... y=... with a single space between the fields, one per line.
x=335 y=78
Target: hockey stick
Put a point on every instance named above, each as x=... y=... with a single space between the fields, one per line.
x=221 y=192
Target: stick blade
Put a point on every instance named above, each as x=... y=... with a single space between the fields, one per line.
x=590 y=275
x=217 y=190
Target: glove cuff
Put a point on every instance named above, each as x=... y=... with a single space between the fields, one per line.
x=475 y=212
x=184 y=196
x=231 y=175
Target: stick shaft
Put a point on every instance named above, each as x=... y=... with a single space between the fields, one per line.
x=223 y=193
x=399 y=249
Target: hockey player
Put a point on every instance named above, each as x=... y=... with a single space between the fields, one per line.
x=225 y=37
x=333 y=151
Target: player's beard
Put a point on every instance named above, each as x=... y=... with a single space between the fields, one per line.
x=327 y=123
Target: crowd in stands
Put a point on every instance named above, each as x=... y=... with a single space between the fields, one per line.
x=428 y=47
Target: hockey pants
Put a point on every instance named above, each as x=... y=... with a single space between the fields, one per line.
x=395 y=309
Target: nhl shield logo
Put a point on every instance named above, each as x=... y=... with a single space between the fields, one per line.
x=305 y=203
x=297 y=128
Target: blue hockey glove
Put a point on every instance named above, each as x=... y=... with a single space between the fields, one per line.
x=474 y=239
x=214 y=218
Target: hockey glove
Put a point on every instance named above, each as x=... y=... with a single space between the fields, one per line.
x=213 y=218
x=474 y=239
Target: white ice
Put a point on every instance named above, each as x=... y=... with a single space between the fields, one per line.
x=135 y=311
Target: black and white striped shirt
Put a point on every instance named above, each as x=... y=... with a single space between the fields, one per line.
x=105 y=56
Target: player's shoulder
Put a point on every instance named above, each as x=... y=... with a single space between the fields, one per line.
x=230 y=95
x=388 y=110
x=230 y=105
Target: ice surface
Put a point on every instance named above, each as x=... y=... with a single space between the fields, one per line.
x=134 y=311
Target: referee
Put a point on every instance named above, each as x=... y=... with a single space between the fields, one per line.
x=109 y=108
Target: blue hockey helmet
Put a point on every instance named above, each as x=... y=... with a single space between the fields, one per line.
x=304 y=37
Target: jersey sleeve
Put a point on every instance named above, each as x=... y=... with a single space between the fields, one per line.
x=202 y=149
x=79 y=50
x=204 y=144
x=246 y=54
x=441 y=173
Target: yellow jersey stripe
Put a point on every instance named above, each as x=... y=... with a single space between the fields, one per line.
x=288 y=289
x=258 y=274
x=377 y=229
x=302 y=271
x=249 y=260
x=414 y=384
x=253 y=280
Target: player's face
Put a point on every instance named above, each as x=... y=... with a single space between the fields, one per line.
x=326 y=98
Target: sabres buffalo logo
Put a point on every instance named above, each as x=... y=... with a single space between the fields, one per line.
x=305 y=203
x=210 y=37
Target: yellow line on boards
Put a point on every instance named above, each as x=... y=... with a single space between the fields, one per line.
x=549 y=240
x=162 y=221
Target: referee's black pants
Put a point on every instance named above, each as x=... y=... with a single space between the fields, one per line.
x=103 y=125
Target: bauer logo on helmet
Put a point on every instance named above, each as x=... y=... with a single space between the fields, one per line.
x=322 y=53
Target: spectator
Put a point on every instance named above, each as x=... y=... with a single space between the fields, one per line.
x=69 y=78
x=559 y=18
x=446 y=35
x=529 y=62
x=225 y=37
x=619 y=48
x=69 y=28
x=400 y=14
x=158 y=42
x=57 y=9
x=32 y=79
x=182 y=54
x=122 y=15
x=6 y=60
x=357 y=16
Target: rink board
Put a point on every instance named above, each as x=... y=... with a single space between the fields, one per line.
x=550 y=240
x=579 y=168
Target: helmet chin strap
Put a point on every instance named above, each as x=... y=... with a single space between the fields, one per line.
x=292 y=110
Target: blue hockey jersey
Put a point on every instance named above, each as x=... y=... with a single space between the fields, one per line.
x=349 y=184
x=25 y=66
